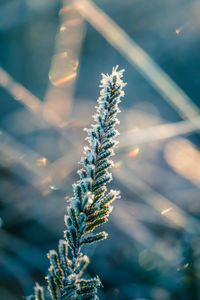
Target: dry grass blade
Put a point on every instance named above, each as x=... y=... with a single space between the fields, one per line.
x=159 y=132
x=175 y=215
x=138 y=57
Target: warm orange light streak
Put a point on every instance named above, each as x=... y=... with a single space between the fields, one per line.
x=178 y=30
x=65 y=79
x=165 y=211
x=183 y=267
x=134 y=152
x=64 y=64
x=186 y=266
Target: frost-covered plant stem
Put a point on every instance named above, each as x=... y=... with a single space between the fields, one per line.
x=90 y=205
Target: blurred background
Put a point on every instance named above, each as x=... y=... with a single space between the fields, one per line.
x=51 y=56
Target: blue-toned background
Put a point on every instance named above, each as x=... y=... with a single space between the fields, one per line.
x=51 y=57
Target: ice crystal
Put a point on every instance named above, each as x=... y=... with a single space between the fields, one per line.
x=90 y=205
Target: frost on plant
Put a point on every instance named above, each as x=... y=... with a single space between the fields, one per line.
x=90 y=205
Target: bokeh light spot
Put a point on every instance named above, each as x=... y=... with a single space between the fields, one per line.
x=53 y=187
x=134 y=152
x=165 y=211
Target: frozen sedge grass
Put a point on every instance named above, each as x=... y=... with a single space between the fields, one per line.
x=90 y=205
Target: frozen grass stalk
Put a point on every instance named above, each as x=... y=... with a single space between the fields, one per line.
x=90 y=205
